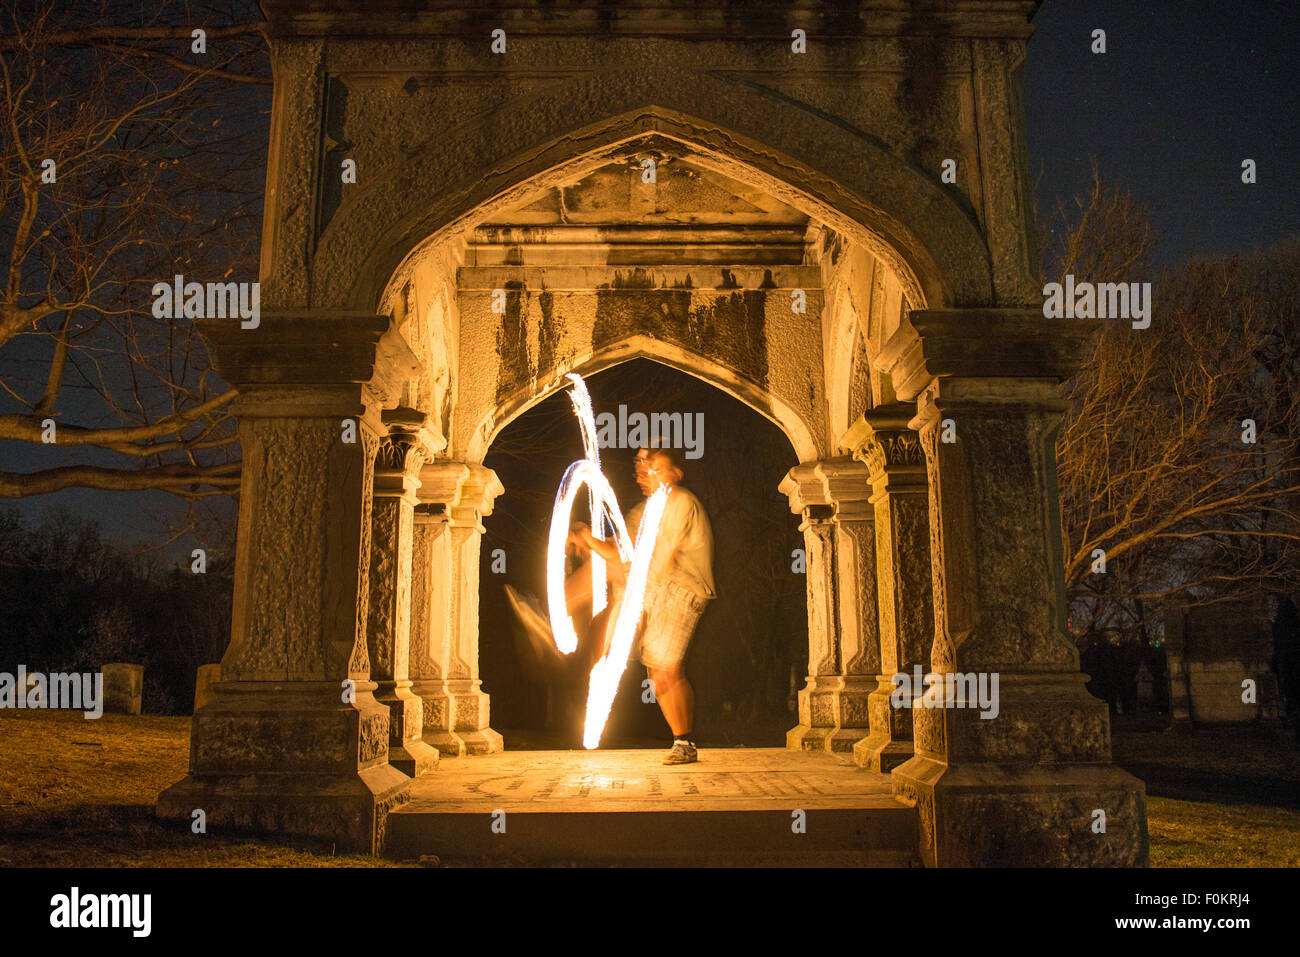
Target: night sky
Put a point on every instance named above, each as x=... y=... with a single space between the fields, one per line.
x=1184 y=93
x=1186 y=90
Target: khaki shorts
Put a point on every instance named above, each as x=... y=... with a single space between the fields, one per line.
x=671 y=614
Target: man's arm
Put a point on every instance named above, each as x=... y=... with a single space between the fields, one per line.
x=605 y=548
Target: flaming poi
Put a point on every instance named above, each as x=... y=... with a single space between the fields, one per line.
x=608 y=671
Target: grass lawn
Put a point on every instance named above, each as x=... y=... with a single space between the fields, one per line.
x=81 y=793
x=1200 y=834
x=1219 y=797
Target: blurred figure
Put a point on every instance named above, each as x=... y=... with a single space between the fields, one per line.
x=678 y=589
x=595 y=632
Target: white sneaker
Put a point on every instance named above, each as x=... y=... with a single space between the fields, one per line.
x=682 y=753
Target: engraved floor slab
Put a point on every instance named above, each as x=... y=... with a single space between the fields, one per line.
x=622 y=781
x=733 y=806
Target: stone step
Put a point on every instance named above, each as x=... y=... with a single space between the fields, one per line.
x=839 y=838
x=735 y=807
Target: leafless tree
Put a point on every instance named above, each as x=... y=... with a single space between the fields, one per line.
x=1180 y=453
x=127 y=158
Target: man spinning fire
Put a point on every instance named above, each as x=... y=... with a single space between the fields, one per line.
x=679 y=586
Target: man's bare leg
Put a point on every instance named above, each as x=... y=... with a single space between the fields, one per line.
x=592 y=644
x=676 y=698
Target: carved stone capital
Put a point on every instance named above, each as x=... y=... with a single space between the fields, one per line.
x=440 y=483
x=403 y=451
x=881 y=439
x=400 y=453
x=413 y=422
x=340 y=401
x=895 y=452
x=847 y=488
x=807 y=494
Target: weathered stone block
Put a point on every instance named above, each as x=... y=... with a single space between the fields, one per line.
x=123 y=688
x=291 y=758
x=349 y=811
x=1025 y=815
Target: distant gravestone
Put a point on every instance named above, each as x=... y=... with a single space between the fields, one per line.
x=1146 y=690
x=123 y=688
x=208 y=676
x=1211 y=650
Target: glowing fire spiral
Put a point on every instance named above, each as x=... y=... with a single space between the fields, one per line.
x=608 y=671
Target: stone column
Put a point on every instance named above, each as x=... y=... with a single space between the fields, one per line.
x=833 y=497
x=431 y=588
x=896 y=465
x=1023 y=787
x=454 y=498
x=402 y=452
x=293 y=740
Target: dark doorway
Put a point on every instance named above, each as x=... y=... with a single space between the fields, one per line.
x=750 y=648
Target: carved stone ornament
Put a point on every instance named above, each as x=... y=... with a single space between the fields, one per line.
x=893 y=450
x=401 y=452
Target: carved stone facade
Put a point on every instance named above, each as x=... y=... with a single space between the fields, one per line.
x=796 y=247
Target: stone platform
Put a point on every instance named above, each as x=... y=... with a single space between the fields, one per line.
x=733 y=807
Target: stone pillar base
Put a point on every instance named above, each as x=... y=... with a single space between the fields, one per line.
x=1022 y=788
x=880 y=753
x=890 y=744
x=484 y=741
x=407 y=751
x=470 y=708
x=991 y=815
x=437 y=732
x=446 y=743
x=291 y=758
x=414 y=758
x=840 y=740
x=832 y=714
x=352 y=813
x=805 y=738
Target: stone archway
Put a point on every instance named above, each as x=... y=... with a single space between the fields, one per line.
x=918 y=383
x=581 y=295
